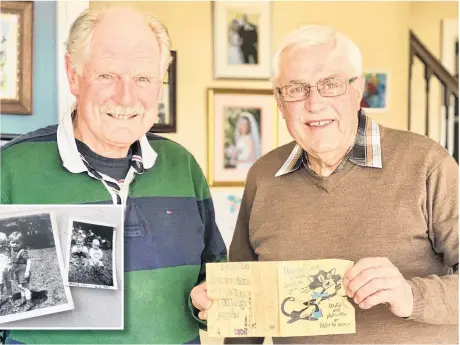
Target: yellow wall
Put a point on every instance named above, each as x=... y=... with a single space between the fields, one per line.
x=426 y=22
x=426 y=19
x=379 y=28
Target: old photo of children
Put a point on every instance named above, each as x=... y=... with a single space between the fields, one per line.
x=31 y=268
x=91 y=255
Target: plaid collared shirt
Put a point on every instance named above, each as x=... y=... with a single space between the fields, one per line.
x=365 y=152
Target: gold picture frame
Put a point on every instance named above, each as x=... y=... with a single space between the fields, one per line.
x=16 y=64
x=242 y=126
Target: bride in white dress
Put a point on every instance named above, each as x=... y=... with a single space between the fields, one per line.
x=235 y=55
x=247 y=141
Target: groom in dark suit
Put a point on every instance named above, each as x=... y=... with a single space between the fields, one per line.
x=248 y=34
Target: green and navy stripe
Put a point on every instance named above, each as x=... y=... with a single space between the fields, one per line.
x=170 y=234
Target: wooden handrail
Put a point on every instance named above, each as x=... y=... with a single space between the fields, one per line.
x=432 y=63
x=432 y=67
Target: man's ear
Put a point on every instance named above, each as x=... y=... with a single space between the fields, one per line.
x=279 y=103
x=72 y=75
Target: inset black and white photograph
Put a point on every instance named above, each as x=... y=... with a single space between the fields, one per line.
x=91 y=255
x=31 y=268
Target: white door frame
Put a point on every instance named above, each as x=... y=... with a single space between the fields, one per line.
x=67 y=12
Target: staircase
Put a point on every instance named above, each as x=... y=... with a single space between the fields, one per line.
x=449 y=112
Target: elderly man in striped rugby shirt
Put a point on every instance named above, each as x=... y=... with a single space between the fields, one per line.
x=102 y=153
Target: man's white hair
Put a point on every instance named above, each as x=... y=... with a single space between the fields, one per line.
x=80 y=34
x=312 y=35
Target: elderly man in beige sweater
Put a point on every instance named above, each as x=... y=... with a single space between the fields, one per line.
x=348 y=188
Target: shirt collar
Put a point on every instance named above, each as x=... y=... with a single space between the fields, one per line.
x=71 y=158
x=366 y=151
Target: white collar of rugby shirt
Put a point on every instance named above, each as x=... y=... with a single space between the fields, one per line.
x=71 y=157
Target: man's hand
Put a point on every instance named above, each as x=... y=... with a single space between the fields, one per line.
x=373 y=281
x=26 y=275
x=200 y=300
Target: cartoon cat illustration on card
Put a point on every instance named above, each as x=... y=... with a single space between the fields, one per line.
x=322 y=286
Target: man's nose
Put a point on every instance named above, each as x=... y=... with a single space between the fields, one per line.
x=314 y=102
x=125 y=94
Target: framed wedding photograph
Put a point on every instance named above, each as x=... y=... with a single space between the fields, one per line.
x=167 y=107
x=242 y=126
x=375 y=96
x=16 y=51
x=242 y=40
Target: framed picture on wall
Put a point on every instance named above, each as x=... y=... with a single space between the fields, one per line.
x=16 y=51
x=242 y=39
x=242 y=126
x=167 y=122
x=375 y=96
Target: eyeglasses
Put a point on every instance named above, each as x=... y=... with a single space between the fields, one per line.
x=328 y=87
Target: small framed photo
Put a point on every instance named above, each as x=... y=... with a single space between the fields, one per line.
x=167 y=122
x=242 y=40
x=375 y=96
x=242 y=126
x=91 y=255
x=31 y=267
x=16 y=52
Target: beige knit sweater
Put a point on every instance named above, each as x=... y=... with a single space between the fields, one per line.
x=407 y=211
